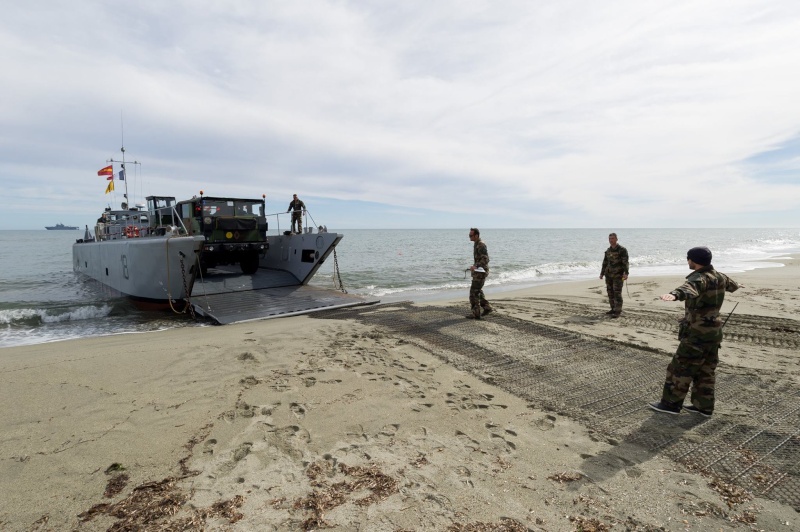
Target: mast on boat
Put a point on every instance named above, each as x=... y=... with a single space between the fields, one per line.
x=124 y=171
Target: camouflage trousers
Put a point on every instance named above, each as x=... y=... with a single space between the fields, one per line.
x=614 y=289
x=693 y=365
x=297 y=218
x=476 y=298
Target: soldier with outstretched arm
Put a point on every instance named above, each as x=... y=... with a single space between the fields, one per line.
x=700 y=333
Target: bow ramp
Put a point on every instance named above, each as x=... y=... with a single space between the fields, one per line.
x=227 y=296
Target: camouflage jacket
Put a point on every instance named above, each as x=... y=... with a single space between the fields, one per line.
x=704 y=292
x=296 y=205
x=615 y=262
x=481 y=255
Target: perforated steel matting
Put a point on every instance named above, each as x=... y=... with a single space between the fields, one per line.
x=606 y=385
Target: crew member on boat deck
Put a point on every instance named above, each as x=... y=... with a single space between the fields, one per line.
x=298 y=209
x=101 y=224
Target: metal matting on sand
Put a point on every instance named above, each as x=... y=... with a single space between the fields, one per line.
x=607 y=384
x=226 y=296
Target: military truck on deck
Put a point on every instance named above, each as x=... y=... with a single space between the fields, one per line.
x=235 y=230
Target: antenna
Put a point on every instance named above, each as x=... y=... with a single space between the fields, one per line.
x=122 y=149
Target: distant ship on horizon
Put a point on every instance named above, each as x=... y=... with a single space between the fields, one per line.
x=61 y=227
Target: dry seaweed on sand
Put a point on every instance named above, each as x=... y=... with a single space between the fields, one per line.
x=588 y=524
x=151 y=505
x=730 y=493
x=115 y=485
x=147 y=503
x=201 y=435
x=228 y=509
x=505 y=525
x=420 y=461
x=322 y=500
x=565 y=477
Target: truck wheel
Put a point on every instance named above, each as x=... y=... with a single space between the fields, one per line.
x=249 y=264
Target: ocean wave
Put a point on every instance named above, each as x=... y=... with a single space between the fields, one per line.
x=390 y=291
x=36 y=316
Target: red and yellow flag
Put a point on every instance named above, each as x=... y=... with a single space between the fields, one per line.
x=108 y=170
x=110 y=187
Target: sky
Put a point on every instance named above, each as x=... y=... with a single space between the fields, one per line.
x=408 y=114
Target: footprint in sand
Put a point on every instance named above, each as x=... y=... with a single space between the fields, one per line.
x=419 y=406
x=242 y=451
x=548 y=422
x=298 y=409
x=267 y=410
x=208 y=446
x=280 y=385
x=389 y=430
x=472 y=402
x=509 y=445
x=245 y=410
x=634 y=472
x=290 y=440
x=238 y=455
x=463 y=471
x=467 y=441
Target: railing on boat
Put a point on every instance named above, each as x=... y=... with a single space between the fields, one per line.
x=305 y=217
x=166 y=220
x=137 y=224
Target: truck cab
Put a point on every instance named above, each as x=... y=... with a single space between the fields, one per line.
x=235 y=230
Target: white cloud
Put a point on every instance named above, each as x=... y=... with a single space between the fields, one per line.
x=575 y=114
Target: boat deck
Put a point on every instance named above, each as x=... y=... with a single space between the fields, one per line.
x=229 y=296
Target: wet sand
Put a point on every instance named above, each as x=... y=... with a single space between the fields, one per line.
x=300 y=423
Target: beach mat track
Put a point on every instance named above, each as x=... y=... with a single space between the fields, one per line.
x=606 y=385
x=741 y=328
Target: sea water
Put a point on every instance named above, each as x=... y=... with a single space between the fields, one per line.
x=42 y=300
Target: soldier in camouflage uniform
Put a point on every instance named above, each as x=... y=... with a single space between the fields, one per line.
x=298 y=209
x=615 y=270
x=700 y=334
x=477 y=301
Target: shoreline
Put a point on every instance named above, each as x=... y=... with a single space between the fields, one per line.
x=562 y=286
x=247 y=421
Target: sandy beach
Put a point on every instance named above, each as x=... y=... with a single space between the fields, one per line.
x=409 y=417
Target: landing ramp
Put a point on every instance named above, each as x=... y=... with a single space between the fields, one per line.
x=226 y=296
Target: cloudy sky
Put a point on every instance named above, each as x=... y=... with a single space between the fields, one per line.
x=411 y=113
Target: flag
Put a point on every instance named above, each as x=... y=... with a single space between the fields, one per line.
x=110 y=187
x=122 y=175
x=110 y=178
x=108 y=170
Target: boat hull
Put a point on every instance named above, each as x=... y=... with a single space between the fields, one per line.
x=152 y=269
x=299 y=254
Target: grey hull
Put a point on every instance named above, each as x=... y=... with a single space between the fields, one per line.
x=147 y=268
x=301 y=254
